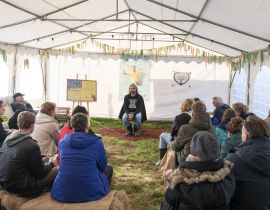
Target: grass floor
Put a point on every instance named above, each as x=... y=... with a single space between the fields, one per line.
x=134 y=165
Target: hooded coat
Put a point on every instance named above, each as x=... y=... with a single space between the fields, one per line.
x=202 y=185
x=200 y=122
x=46 y=133
x=230 y=144
x=21 y=168
x=252 y=173
x=221 y=132
x=81 y=175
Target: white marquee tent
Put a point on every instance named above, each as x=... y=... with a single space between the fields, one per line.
x=233 y=29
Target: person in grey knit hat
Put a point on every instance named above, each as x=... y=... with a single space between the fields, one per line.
x=203 y=180
x=204 y=145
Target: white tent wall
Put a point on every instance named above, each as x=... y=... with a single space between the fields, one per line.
x=9 y=64
x=260 y=105
x=207 y=80
x=20 y=77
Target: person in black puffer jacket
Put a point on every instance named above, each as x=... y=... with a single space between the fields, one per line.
x=202 y=182
x=252 y=167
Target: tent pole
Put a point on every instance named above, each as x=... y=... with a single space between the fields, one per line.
x=15 y=70
x=116 y=9
x=45 y=78
x=248 y=86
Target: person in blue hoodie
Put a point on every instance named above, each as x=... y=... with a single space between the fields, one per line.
x=84 y=174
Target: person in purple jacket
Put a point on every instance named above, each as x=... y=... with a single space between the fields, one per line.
x=84 y=173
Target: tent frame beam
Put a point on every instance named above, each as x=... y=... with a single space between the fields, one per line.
x=193 y=34
x=108 y=20
x=183 y=39
x=91 y=37
x=141 y=40
x=68 y=30
x=209 y=21
x=197 y=19
x=36 y=16
x=134 y=33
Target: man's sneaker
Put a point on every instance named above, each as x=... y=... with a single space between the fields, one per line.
x=128 y=133
x=137 y=132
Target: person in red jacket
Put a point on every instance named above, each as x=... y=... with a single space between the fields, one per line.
x=67 y=128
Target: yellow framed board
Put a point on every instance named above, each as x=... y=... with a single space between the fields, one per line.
x=81 y=90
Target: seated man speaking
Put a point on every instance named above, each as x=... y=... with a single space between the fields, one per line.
x=133 y=109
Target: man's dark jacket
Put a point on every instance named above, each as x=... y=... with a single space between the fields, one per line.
x=252 y=173
x=21 y=169
x=140 y=106
x=24 y=107
x=3 y=133
x=218 y=113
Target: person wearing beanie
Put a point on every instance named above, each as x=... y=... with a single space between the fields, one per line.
x=203 y=181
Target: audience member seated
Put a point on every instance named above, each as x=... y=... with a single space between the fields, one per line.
x=3 y=132
x=22 y=170
x=221 y=131
x=252 y=167
x=181 y=119
x=201 y=182
x=133 y=109
x=68 y=129
x=84 y=174
x=200 y=121
x=20 y=104
x=234 y=136
x=220 y=108
x=241 y=110
x=46 y=130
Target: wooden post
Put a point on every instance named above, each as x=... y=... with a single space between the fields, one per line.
x=73 y=103
x=85 y=76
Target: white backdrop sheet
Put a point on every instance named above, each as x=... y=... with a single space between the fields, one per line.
x=207 y=80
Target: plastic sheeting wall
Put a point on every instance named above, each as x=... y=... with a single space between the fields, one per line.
x=207 y=80
x=259 y=91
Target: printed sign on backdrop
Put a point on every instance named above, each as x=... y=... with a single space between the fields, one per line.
x=135 y=70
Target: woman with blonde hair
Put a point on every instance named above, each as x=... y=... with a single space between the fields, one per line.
x=181 y=119
x=46 y=129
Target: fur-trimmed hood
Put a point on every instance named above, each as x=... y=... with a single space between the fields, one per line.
x=195 y=172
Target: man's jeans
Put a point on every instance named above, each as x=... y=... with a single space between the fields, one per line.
x=137 y=119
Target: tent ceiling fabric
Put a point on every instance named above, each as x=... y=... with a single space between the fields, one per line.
x=246 y=25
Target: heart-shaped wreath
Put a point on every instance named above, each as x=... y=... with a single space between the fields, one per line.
x=181 y=78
